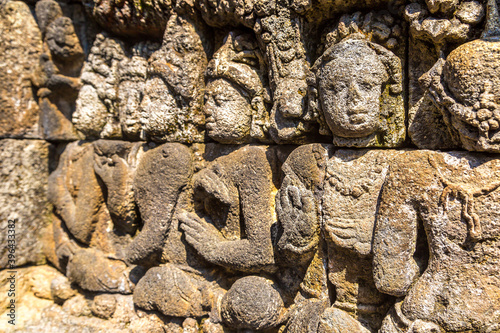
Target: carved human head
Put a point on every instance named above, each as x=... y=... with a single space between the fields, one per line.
x=466 y=88
x=132 y=74
x=63 y=41
x=94 y=115
x=350 y=84
x=356 y=90
x=235 y=96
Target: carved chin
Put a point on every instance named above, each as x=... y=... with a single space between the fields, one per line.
x=358 y=127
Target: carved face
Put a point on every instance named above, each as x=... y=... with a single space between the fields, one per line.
x=228 y=112
x=158 y=108
x=90 y=114
x=350 y=85
x=62 y=39
x=129 y=97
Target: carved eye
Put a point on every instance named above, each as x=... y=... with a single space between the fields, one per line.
x=338 y=86
x=368 y=84
x=220 y=99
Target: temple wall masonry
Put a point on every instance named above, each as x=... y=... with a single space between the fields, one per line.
x=223 y=166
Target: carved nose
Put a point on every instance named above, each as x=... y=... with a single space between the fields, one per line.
x=208 y=110
x=354 y=97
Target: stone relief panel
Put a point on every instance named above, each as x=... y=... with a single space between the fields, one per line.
x=337 y=239
x=136 y=86
x=250 y=166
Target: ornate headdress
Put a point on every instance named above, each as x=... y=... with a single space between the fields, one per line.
x=380 y=32
x=240 y=61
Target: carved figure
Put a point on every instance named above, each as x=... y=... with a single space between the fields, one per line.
x=280 y=34
x=230 y=233
x=96 y=115
x=346 y=91
x=171 y=107
x=75 y=190
x=350 y=202
x=59 y=68
x=157 y=199
x=435 y=28
x=236 y=98
x=232 y=229
x=132 y=74
x=300 y=248
x=446 y=275
x=465 y=88
x=347 y=188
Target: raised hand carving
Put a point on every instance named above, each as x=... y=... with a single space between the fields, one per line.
x=443 y=262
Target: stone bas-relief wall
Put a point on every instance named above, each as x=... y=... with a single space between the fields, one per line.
x=260 y=166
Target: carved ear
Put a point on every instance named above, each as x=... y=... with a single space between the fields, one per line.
x=314 y=109
x=260 y=119
x=393 y=65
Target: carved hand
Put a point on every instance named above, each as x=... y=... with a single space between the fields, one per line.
x=213 y=185
x=299 y=218
x=111 y=170
x=353 y=234
x=201 y=235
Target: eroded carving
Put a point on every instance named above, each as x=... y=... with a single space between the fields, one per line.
x=237 y=98
x=356 y=93
x=58 y=74
x=91 y=191
x=465 y=89
x=453 y=196
x=96 y=115
x=171 y=107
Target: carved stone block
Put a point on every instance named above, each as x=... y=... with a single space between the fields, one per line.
x=24 y=170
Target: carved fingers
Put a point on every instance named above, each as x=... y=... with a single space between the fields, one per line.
x=351 y=234
x=201 y=235
x=110 y=169
x=213 y=185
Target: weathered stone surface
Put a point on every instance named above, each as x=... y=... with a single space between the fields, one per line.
x=92 y=191
x=20 y=48
x=57 y=76
x=157 y=200
x=450 y=279
x=186 y=211
x=31 y=292
x=130 y=18
x=24 y=181
x=252 y=303
x=356 y=92
x=171 y=107
x=465 y=89
x=237 y=97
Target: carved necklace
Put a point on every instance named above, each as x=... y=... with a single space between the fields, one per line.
x=348 y=187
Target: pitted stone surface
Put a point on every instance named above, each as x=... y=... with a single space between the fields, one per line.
x=224 y=166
